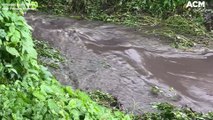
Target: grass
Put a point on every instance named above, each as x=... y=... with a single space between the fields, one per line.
x=48 y=56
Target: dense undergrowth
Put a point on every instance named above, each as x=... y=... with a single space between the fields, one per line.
x=28 y=91
x=48 y=56
x=169 y=18
x=47 y=99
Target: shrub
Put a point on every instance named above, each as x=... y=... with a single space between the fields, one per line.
x=32 y=92
x=18 y=57
x=169 y=112
x=90 y=7
x=49 y=100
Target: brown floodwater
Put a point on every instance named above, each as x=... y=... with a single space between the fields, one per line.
x=188 y=73
x=191 y=75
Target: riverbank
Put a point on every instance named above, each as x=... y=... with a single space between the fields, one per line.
x=180 y=27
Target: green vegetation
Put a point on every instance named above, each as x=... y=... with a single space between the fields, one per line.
x=182 y=31
x=169 y=112
x=17 y=53
x=48 y=56
x=47 y=99
x=105 y=99
x=28 y=90
x=168 y=18
x=92 y=8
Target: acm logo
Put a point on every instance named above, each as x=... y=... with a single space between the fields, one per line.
x=196 y=4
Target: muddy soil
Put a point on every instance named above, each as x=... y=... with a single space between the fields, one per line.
x=127 y=64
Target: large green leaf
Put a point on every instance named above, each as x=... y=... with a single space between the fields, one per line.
x=16 y=37
x=53 y=106
x=39 y=95
x=2 y=33
x=12 y=51
x=12 y=28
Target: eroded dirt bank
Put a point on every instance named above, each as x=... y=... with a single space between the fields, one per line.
x=127 y=64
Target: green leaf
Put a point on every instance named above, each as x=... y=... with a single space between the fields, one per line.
x=12 y=51
x=46 y=89
x=57 y=89
x=12 y=28
x=53 y=106
x=76 y=114
x=16 y=37
x=1 y=18
x=39 y=95
x=2 y=34
x=70 y=91
x=27 y=46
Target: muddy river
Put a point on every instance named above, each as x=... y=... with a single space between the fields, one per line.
x=127 y=63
